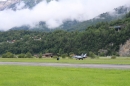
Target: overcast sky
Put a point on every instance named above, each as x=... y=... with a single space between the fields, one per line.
x=55 y=13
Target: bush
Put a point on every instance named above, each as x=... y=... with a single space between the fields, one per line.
x=40 y=55
x=8 y=55
x=113 y=57
x=21 y=56
x=101 y=54
x=63 y=55
x=92 y=55
x=28 y=55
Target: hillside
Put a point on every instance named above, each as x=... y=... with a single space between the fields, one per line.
x=68 y=25
x=80 y=26
x=12 y=3
x=106 y=34
x=8 y=3
x=125 y=49
x=102 y=39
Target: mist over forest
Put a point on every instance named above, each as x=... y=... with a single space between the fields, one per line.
x=54 y=13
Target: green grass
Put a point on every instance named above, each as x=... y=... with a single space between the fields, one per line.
x=119 y=60
x=58 y=76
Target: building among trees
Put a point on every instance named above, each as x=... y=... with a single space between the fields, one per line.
x=48 y=55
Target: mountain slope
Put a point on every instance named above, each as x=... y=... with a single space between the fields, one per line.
x=68 y=25
x=118 y=13
x=102 y=39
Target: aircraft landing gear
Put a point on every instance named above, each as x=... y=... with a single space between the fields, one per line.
x=80 y=58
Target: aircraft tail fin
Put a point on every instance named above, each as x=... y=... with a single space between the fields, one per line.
x=84 y=55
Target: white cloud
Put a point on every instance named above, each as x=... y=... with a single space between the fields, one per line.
x=3 y=0
x=20 y=5
x=55 y=13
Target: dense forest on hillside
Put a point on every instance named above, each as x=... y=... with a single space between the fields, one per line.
x=102 y=39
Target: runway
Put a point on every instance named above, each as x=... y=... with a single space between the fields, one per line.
x=103 y=66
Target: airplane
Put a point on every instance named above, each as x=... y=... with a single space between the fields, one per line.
x=80 y=57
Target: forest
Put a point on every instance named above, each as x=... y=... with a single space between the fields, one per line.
x=102 y=39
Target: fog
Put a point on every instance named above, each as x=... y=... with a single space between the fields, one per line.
x=56 y=13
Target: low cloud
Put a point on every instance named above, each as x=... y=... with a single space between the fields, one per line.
x=55 y=13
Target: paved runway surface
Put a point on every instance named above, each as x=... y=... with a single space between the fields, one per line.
x=105 y=66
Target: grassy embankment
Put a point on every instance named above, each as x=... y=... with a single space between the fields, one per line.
x=58 y=76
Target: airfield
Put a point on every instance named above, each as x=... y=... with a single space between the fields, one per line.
x=104 y=66
x=102 y=62
x=65 y=72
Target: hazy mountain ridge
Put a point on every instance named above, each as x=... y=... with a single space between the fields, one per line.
x=12 y=4
x=68 y=25
x=76 y=25
x=8 y=3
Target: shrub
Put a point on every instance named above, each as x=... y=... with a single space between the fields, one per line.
x=113 y=57
x=21 y=56
x=40 y=55
x=8 y=55
x=63 y=55
x=92 y=55
x=28 y=55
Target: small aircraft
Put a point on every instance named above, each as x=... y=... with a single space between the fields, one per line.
x=80 y=57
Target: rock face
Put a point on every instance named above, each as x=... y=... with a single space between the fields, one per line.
x=125 y=49
x=6 y=3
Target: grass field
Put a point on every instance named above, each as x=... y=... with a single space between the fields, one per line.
x=58 y=76
x=119 y=60
x=63 y=76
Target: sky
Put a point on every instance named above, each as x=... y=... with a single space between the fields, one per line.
x=56 y=13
